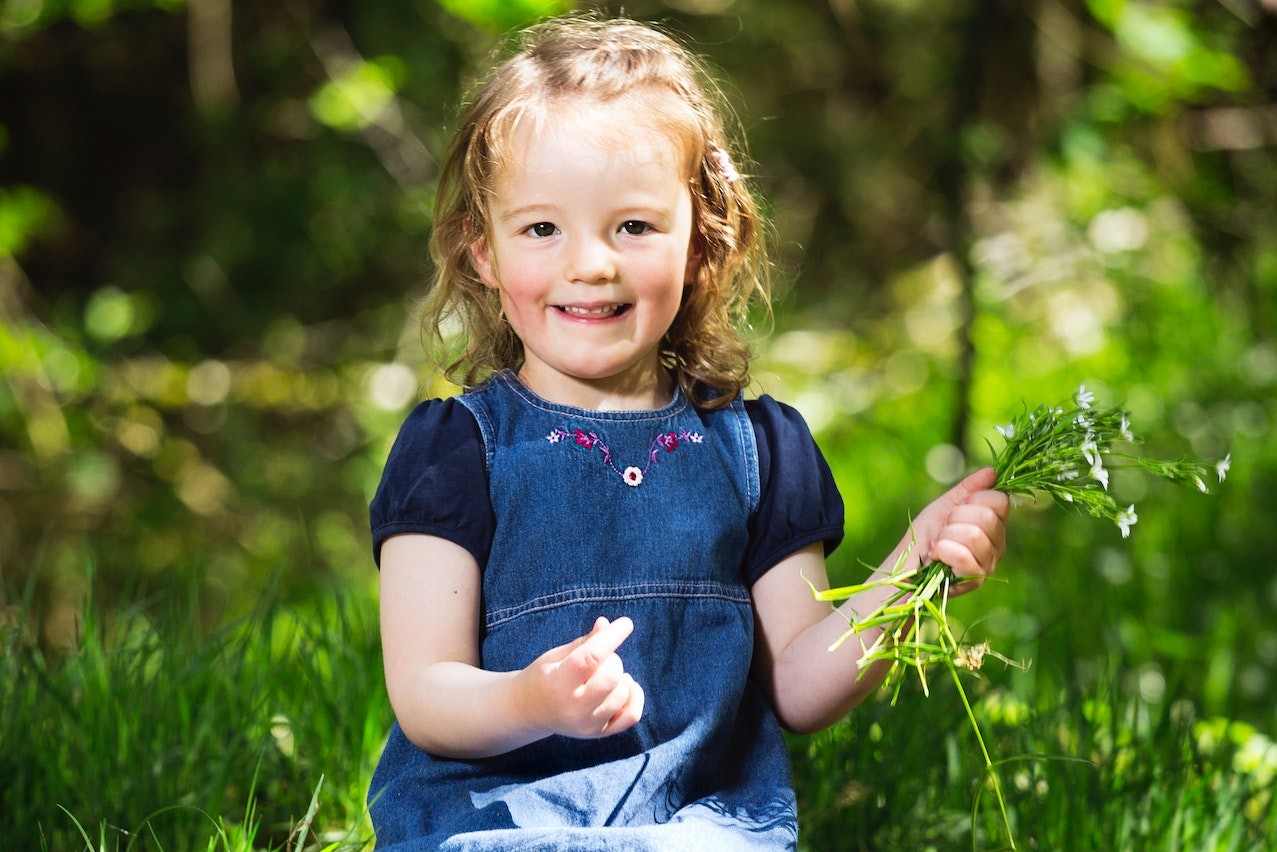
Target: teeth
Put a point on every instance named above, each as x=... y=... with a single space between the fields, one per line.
x=604 y=310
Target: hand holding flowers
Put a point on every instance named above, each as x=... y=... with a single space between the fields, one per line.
x=1065 y=454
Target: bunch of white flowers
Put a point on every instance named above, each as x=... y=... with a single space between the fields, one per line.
x=1066 y=454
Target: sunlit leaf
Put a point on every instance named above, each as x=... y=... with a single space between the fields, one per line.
x=24 y=211
x=352 y=100
x=498 y=15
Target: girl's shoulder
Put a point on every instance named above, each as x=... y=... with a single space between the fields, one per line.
x=434 y=481
x=777 y=424
x=438 y=419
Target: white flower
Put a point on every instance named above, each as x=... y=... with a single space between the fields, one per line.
x=554 y=437
x=1126 y=428
x=632 y=476
x=1084 y=397
x=1201 y=486
x=1099 y=474
x=1007 y=431
x=1066 y=475
x=1126 y=520
x=1091 y=452
x=1222 y=466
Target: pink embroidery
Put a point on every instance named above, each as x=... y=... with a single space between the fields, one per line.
x=632 y=475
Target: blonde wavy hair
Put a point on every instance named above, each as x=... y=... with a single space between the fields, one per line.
x=591 y=59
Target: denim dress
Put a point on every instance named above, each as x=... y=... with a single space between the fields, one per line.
x=644 y=514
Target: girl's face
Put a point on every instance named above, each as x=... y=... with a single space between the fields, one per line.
x=589 y=239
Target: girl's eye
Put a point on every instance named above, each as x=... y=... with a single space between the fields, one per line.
x=634 y=227
x=542 y=229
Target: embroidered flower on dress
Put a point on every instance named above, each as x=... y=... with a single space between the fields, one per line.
x=632 y=475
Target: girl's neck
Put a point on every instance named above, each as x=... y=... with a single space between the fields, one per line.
x=644 y=392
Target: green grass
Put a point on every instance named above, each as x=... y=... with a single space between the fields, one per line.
x=151 y=734
x=1084 y=773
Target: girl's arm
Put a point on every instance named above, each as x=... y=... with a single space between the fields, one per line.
x=811 y=687
x=448 y=705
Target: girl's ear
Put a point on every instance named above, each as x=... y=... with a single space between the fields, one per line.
x=481 y=257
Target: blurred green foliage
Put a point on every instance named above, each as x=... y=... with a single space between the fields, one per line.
x=213 y=222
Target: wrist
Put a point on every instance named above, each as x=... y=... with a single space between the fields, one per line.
x=526 y=705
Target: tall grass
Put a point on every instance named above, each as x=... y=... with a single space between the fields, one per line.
x=150 y=734
x=1109 y=771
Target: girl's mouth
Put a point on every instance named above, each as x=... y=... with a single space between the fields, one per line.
x=594 y=311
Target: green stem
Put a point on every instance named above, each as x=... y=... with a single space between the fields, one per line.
x=988 y=762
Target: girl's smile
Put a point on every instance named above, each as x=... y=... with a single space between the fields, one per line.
x=588 y=243
x=594 y=312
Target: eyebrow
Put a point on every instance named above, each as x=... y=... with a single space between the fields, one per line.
x=529 y=211
x=526 y=211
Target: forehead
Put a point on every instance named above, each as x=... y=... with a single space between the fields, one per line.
x=628 y=130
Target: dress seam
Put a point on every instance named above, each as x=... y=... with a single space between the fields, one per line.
x=595 y=594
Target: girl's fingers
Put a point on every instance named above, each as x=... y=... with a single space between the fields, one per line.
x=978 y=514
x=605 y=678
x=562 y=652
x=601 y=643
x=996 y=501
x=630 y=712
x=622 y=708
x=974 y=560
x=977 y=525
x=980 y=480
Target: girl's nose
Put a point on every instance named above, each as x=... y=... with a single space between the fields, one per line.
x=592 y=260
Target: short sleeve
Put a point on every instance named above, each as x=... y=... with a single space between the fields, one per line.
x=435 y=481
x=799 y=503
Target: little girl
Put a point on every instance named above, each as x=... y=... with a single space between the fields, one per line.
x=595 y=613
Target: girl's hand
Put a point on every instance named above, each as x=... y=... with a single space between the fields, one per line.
x=581 y=689
x=965 y=528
